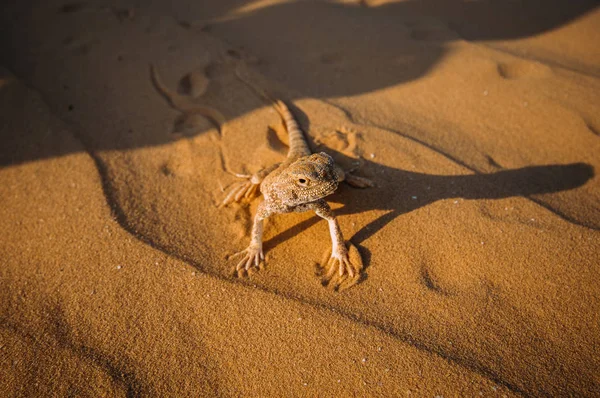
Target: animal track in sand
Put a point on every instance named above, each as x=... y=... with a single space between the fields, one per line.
x=194 y=83
x=190 y=125
x=242 y=222
x=523 y=69
x=431 y=282
x=342 y=139
x=592 y=126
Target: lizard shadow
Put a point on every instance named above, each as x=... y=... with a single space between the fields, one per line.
x=413 y=190
x=346 y=50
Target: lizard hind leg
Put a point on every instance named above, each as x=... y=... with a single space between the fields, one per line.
x=241 y=190
x=248 y=188
x=353 y=180
x=358 y=182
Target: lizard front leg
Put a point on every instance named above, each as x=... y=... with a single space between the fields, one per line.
x=340 y=271
x=253 y=254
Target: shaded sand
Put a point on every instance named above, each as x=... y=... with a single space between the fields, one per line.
x=478 y=124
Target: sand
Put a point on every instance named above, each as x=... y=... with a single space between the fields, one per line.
x=478 y=121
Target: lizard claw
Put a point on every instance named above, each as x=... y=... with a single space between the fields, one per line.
x=243 y=189
x=342 y=269
x=253 y=258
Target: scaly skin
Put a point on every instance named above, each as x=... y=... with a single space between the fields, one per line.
x=298 y=184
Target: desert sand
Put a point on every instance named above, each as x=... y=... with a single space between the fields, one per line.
x=478 y=122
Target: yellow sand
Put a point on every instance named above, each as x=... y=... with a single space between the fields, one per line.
x=478 y=121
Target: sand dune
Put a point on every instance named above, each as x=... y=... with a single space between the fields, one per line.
x=478 y=124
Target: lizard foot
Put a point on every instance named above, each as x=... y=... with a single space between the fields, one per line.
x=244 y=189
x=342 y=269
x=253 y=257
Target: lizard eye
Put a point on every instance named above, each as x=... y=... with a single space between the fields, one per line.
x=302 y=182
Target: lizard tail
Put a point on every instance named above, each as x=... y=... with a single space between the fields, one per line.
x=297 y=141
x=184 y=105
x=298 y=145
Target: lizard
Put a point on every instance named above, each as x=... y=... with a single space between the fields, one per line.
x=298 y=184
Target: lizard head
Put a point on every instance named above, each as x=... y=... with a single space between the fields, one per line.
x=307 y=179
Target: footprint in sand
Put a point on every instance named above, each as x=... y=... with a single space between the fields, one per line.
x=194 y=83
x=431 y=282
x=523 y=69
x=341 y=140
x=189 y=125
x=242 y=222
x=193 y=115
x=593 y=126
